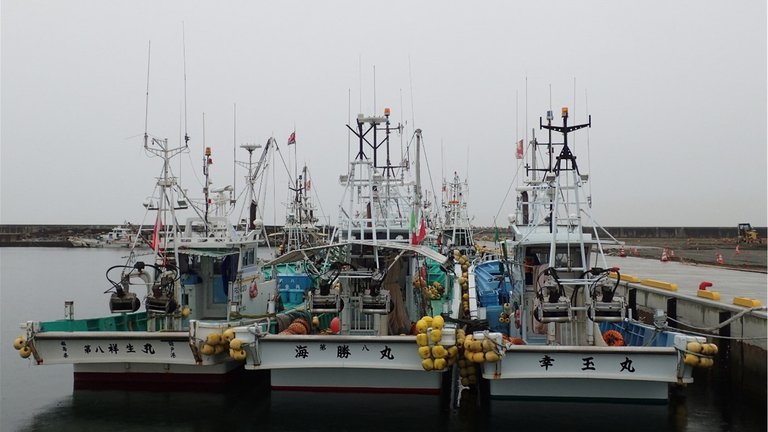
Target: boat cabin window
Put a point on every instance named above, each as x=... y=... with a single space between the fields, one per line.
x=249 y=257
x=564 y=256
x=457 y=238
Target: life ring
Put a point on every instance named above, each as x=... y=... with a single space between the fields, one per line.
x=253 y=291
x=613 y=338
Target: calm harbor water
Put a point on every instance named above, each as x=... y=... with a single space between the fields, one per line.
x=35 y=282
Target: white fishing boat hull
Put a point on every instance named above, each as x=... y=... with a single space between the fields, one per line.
x=134 y=358
x=567 y=372
x=379 y=364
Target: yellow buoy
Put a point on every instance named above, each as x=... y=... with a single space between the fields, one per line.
x=207 y=349
x=694 y=347
x=440 y=364
x=691 y=359
x=488 y=345
x=424 y=352
x=25 y=351
x=491 y=356
x=453 y=351
x=235 y=344
x=427 y=319
x=185 y=312
x=439 y=351
x=478 y=357
x=422 y=339
x=438 y=322
x=228 y=335
x=427 y=364
x=421 y=326
x=218 y=349
x=19 y=343
x=213 y=339
x=239 y=355
x=436 y=335
x=714 y=349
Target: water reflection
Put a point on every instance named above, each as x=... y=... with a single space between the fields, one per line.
x=338 y=412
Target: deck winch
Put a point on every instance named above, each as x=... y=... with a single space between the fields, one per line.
x=557 y=311
x=122 y=299
x=161 y=298
x=127 y=303
x=604 y=306
x=318 y=303
x=379 y=304
x=552 y=304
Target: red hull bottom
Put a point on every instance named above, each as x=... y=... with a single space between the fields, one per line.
x=421 y=391
x=166 y=381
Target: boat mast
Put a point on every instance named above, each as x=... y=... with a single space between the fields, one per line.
x=254 y=170
x=418 y=194
x=565 y=161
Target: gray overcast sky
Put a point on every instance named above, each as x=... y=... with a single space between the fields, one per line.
x=676 y=90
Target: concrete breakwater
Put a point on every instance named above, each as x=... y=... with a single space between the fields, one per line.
x=51 y=235
x=685 y=244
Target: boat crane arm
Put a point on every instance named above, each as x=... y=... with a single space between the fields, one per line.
x=262 y=159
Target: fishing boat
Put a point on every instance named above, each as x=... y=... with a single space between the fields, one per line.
x=368 y=289
x=456 y=225
x=170 y=310
x=124 y=236
x=557 y=326
x=300 y=229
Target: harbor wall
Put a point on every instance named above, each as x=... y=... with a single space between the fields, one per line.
x=622 y=232
x=52 y=235
x=20 y=232
x=740 y=333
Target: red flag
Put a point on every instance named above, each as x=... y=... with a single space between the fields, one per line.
x=292 y=138
x=155 y=232
x=519 y=153
x=422 y=232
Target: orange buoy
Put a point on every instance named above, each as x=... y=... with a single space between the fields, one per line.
x=613 y=338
